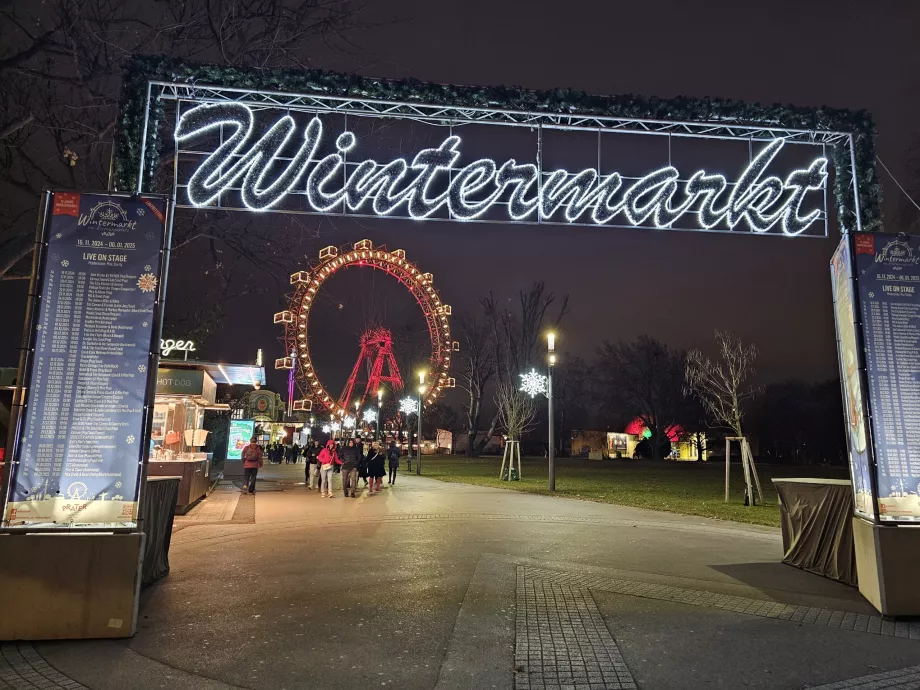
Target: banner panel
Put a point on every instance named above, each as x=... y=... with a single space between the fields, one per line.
x=851 y=377
x=888 y=280
x=240 y=433
x=80 y=451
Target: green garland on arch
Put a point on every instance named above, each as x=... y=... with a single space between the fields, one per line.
x=142 y=69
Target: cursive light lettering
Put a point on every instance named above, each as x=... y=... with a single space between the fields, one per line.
x=660 y=198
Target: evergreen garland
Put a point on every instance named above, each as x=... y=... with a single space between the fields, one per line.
x=142 y=69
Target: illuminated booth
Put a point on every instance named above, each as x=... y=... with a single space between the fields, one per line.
x=186 y=389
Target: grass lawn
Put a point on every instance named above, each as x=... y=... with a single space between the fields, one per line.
x=677 y=487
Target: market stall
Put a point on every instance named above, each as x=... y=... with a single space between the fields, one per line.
x=185 y=390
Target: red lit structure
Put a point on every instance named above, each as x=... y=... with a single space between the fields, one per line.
x=376 y=354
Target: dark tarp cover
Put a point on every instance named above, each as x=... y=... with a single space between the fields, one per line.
x=158 y=511
x=816 y=517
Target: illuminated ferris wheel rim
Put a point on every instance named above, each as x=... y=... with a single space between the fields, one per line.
x=307 y=285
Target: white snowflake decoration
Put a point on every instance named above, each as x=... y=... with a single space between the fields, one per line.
x=55 y=257
x=147 y=282
x=335 y=426
x=142 y=368
x=326 y=428
x=117 y=485
x=349 y=422
x=145 y=324
x=58 y=236
x=149 y=235
x=148 y=268
x=408 y=405
x=370 y=416
x=65 y=263
x=140 y=211
x=533 y=383
x=130 y=439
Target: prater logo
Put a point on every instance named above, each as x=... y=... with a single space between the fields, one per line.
x=268 y=167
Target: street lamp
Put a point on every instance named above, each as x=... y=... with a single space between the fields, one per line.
x=379 y=405
x=421 y=392
x=551 y=351
x=357 y=406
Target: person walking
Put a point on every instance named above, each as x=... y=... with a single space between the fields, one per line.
x=362 y=464
x=350 y=458
x=327 y=459
x=393 y=457
x=311 y=471
x=376 y=468
x=252 y=462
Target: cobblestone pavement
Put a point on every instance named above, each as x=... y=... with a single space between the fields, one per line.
x=765 y=608
x=903 y=679
x=22 y=668
x=561 y=640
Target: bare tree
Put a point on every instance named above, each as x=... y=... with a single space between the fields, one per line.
x=644 y=379
x=60 y=76
x=516 y=411
x=516 y=337
x=477 y=368
x=721 y=384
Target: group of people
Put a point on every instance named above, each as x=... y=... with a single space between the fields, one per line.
x=353 y=463
x=278 y=453
x=350 y=460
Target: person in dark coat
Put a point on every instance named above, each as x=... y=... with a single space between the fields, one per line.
x=393 y=457
x=310 y=454
x=349 y=455
x=376 y=469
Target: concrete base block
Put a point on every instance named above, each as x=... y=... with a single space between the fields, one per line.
x=69 y=586
x=887 y=563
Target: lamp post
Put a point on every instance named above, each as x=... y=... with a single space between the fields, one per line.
x=379 y=405
x=421 y=392
x=551 y=351
x=357 y=406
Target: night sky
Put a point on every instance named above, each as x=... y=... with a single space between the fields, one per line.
x=678 y=287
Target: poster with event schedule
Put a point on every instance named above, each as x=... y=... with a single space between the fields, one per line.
x=78 y=459
x=888 y=280
x=851 y=377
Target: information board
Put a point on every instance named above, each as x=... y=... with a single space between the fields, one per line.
x=888 y=280
x=79 y=453
x=240 y=433
x=851 y=377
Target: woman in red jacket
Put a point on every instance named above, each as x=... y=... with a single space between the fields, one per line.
x=328 y=459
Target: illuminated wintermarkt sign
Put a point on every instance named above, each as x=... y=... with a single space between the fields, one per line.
x=264 y=175
x=317 y=142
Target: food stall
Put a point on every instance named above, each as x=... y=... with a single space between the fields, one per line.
x=185 y=389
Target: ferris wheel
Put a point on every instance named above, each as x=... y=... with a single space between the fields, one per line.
x=376 y=344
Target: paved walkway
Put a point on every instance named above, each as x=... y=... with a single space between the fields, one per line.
x=434 y=585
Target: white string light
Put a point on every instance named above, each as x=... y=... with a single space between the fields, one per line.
x=408 y=406
x=533 y=383
x=657 y=198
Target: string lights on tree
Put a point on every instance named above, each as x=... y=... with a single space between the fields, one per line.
x=533 y=383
